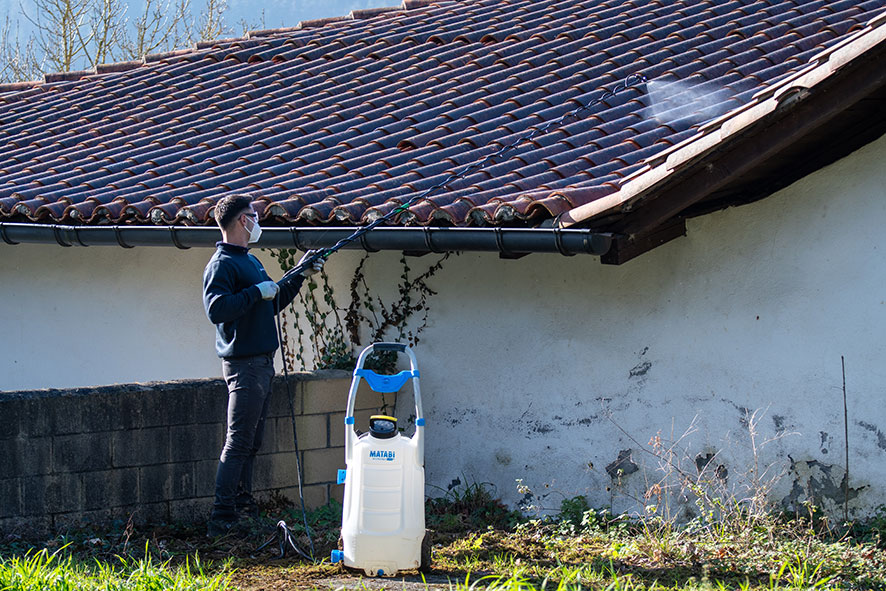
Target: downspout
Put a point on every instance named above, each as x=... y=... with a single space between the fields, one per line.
x=506 y=241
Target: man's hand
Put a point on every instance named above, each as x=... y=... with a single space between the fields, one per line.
x=316 y=267
x=268 y=289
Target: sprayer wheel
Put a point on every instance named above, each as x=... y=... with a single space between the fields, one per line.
x=425 y=564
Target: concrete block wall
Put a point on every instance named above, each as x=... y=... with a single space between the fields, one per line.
x=70 y=458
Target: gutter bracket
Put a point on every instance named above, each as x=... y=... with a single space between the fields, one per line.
x=175 y=239
x=430 y=243
x=365 y=244
x=57 y=231
x=504 y=253
x=6 y=238
x=558 y=240
x=294 y=233
x=120 y=240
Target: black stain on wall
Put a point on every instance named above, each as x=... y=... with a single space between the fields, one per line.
x=622 y=466
x=881 y=438
x=702 y=461
x=778 y=421
x=640 y=369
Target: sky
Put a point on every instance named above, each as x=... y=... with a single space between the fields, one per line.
x=287 y=13
x=277 y=13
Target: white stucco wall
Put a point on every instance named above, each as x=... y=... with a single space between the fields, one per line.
x=102 y=315
x=547 y=368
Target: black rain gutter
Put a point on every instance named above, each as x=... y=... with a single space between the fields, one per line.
x=506 y=241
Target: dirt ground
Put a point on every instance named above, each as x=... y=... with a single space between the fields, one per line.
x=271 y=578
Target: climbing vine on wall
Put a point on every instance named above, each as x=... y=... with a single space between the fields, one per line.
x=329 y=330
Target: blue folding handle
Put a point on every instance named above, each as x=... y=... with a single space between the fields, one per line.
x=386 y=384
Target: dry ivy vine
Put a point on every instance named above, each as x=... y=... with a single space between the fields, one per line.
x=328 y=333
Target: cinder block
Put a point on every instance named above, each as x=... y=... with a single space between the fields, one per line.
x=274 y=471
x=204 y=477
x=33 y=526
x=321 y=465
x=80 y=453
x=190 y=510
x=10 y=497
x=171 y=405
x=337 y=492
x=152 y=513
x=196 y=442
x=367 y=399
x=174 y=406
x=323 y=396
x=128 y=411
x=166 y=482
x=107 y=489
x=312 y=432
x=25 y=456
x=210 y=402
x=79 y=520
x=12 y=411
x=56 y=493
x=337 y=425
x=279 y=406
x=35 y=419
x=140 y=447
x=66 y=413
x=316 y=495
x=337 y=428
x=98 y=412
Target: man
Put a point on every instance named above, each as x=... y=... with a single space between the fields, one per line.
x=242 y=300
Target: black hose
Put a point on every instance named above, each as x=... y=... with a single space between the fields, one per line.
x=283 y=531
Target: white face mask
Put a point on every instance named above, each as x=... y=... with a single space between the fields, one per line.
x=255 y=232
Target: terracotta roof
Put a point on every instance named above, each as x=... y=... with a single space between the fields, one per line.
x=340 y=120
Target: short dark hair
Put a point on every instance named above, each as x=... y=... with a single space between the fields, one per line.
x=229 y=207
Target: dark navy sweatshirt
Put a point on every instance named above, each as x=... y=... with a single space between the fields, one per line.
x=244 y=322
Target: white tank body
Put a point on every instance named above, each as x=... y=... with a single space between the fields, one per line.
x=383 y=519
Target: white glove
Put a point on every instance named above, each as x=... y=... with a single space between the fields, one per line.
x=268 y=289
x=316 y=267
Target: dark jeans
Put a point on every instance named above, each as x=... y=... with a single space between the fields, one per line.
x=249 y=393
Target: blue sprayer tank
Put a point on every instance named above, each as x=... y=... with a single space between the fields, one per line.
x=383 y=517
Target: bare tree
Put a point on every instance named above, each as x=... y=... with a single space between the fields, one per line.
x=18 y=61
x=78 y=34
x=62 y=31
x=106 y=28
x=161 y=26
x=211 y=23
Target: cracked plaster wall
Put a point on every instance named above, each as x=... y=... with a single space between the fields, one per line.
x=523 y=362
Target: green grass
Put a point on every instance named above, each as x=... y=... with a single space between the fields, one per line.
x=581 y=549
x=594 y=550
x=58 y=571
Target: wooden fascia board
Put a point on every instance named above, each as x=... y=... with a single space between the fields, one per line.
x=771 y=114
x=743 y=151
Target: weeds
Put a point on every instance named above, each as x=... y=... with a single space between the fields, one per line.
x=466 y=507
x=735 y=542
x=57 y=571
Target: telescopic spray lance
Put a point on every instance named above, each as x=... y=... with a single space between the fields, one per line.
x=324 y=253
x=283 y=534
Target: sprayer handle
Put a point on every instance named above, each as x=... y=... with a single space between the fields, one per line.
x=398 y=347
x=306 y=263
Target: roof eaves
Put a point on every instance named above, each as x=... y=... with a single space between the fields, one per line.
x=508 y=242
x=661 y=167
